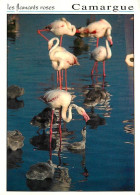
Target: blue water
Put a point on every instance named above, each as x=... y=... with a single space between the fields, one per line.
x=109 y=153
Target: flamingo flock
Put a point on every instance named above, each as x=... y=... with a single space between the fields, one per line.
x=61 y=59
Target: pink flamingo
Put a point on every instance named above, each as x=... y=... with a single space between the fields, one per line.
x=61 y=27
x=59 y=98
x=99 y=29
x=100 y=54
x=61 y=58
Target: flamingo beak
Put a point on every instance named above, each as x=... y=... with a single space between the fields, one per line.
x=77 y=31
x=86 y=31
x=49 y=46
x=86 y=117
x=111 y=42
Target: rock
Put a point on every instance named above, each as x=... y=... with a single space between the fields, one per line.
x=15 y=140
x=41 y=171
x=14 y=91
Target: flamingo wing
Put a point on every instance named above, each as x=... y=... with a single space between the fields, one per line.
x=66 y=56
x=57 y=98
x=99 y=27
x=99 y=54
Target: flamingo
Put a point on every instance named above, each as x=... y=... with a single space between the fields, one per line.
x=100 y=54
x=62 y=27
x=61 y=58
x=59 y=27
x=99 y=29
x=60 y=98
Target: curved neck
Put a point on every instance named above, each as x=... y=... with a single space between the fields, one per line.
x=108 y=31
x=109 y=53
x=56 y=45
x=64 y=111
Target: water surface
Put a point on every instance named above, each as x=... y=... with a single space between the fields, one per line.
x=109 y=153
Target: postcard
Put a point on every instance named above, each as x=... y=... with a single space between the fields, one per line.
x=69 y=100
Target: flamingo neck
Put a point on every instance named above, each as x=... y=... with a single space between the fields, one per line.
x=109 y=53
x=56 y=44
x=64 y=111
x=84 y=137
x=108 y=31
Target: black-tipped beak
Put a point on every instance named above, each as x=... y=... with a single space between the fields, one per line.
x=47 y=27
x=111 y=43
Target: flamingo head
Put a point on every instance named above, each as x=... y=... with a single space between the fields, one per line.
x=108 y=35
x=82 y=112
x=48 y=27
x=81 y=30
x=109 y=38
x=50 y=44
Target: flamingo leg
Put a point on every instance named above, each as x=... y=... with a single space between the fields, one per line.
x=96 y=79
x=66 y=79
x=60 y=79
x=50 y=151
x=62 y=75
x=92 y=78
x=104 y=68
x=94 y=66
x=103 y=83
x=60 y=131
x=97 y=42
x=61 y=37
x=57 y=78
x=51 y=127
x=59 y=151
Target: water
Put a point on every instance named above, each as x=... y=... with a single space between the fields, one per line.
x=109 y=153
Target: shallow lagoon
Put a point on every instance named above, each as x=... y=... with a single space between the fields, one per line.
x=109 y=153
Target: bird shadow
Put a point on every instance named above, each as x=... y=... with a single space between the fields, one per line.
x=14 y=158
